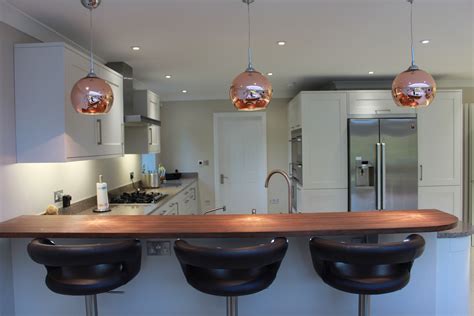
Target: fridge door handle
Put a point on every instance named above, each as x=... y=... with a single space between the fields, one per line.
x=378 y=184
x=383 y=180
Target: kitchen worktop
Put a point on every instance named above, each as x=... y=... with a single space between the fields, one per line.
x=201 y=226
x=171 y=188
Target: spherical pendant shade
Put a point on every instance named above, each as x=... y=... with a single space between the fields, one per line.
x=251 y=91
x=413 y=88
x=92 y=96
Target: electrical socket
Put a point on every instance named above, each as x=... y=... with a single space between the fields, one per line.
x=158 y=248
x=132 y=175
x=275 y=201
x=58 y=196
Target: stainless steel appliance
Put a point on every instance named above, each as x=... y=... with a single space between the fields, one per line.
x=383 y=163
x=296 y=165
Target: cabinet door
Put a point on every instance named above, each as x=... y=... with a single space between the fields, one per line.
x=446 y=198
x=324 y=118
x=291 y=115
x=315 y=201
x=153 y=139
x=109 y=127
x=294 y=113
x=374 y=103
x=440 y=141
x=153 y=105
x=81 y=140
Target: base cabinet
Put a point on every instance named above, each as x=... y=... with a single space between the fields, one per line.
x=445 y=198
x=185 y=202
x=323 y=200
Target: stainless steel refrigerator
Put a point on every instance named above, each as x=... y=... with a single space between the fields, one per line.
x=383 y=164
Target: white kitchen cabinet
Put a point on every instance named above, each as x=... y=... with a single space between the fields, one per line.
x=445 y=198
x=324 y=126
x=184 y=203
x=189 y=200
x=144 y=139
x=322 y=200
x=440 y=141
x=294 y=113
x=47 y=127
x=373 y=102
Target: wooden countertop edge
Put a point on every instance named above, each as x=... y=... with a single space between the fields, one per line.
x=227 y=226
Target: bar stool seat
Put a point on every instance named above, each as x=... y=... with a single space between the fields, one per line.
x=366 y=269
x=231 y=272
x=89 y=269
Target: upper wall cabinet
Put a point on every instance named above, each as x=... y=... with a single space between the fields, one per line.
x=141 y=139
x=374 y=103
x=294 y=113
x=47 y=127
x=324 y=124
x=440 y=140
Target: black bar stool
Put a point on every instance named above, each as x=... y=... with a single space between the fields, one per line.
x=365 y=269
x=87 y=270
x=231 y=272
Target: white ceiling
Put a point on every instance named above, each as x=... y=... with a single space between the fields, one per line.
x=202 y=43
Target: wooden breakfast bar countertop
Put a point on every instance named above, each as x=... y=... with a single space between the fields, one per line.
x=208 y=226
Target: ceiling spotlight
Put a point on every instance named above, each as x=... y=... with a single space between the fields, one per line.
x=281 y=43
x=371 y=72
x=184 y=91
x=168 y=76
x=135 y=48
x=269 y=73
x=425 y=41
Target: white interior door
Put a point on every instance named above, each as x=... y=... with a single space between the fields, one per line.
x=240 y=156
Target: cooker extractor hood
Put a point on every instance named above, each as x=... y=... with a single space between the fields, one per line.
x=131 y=118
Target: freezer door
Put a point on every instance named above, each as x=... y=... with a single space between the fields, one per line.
x=363 y=139
x=399 y=163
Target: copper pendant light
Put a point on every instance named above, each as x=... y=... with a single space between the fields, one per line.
x=92 y=95
x=250 y=90
x=414 y=87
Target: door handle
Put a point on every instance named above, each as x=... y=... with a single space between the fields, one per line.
x=99 y=132
x=421 y=172
x=384 y=182
x=378 y=190
x=222 y=178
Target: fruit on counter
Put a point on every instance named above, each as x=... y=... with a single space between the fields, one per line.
x=51 y=210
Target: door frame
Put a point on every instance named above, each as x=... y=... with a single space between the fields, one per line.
x=263 y=121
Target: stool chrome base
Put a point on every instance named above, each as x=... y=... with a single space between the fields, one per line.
x=232 y=306
x=364 y=305
x=91 y=305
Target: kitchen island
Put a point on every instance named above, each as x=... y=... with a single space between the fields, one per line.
x=439 y=284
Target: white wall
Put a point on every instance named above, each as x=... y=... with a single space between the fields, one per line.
x=28 y=188
x=187 y=136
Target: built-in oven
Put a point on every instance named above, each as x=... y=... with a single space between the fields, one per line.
x=296 y=165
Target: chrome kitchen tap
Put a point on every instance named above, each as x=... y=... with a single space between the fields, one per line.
x=288 y=182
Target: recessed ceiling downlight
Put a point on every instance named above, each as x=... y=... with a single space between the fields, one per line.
x=136 y=48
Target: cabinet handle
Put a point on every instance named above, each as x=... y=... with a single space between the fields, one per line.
x=99 y=132
x=194 y=193
x=421 y=172
x=382 y=110
x=150 y=136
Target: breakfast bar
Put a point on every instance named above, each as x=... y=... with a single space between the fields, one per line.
x=297 y=289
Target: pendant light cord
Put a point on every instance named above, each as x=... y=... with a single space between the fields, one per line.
x=250 y=66
x=411 y=34
x=91 y=43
